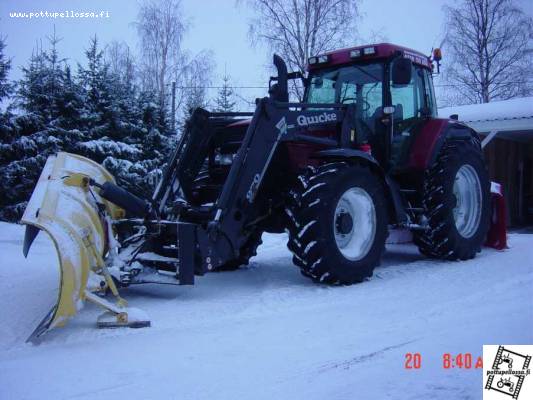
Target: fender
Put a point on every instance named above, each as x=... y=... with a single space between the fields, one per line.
x=431 y=138
x=347 y=154
x=394 y=197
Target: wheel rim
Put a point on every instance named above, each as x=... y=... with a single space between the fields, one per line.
x=354 y=239
x=467 y=210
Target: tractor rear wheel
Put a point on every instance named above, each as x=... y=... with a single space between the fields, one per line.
x=456 y=202
x=339 y=223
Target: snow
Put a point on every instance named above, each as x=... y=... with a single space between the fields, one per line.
x=136 y=314
x=266 y=332
x=106 y=145
x=496 y=110
x=150 y=256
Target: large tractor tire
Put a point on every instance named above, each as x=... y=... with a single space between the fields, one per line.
x=456 y=202
x=338 y=223
x=247 y=251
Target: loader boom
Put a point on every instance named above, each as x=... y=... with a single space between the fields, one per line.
x=230 y=220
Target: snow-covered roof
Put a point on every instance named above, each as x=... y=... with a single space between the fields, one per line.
x=515 y=115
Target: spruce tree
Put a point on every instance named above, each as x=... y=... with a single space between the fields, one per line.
x=95 y=113
x=124 y=125
x=101 y=114
x=7 y=133
x=97 y=90
x=49 y=103
x=225 y=101
x=5 y=66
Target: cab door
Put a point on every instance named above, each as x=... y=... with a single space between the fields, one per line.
x=413 y=104
x=366 y=90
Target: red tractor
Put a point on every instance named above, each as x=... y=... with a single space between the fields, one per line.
x=362 y=154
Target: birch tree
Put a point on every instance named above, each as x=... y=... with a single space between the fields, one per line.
x=490 y=46
x=121 y=61
x=193 y=81
x=299 y=29
x=161 y=26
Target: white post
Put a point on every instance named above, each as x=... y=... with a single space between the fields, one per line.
x=488 y=138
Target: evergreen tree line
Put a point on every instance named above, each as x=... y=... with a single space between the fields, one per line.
x=96 y=111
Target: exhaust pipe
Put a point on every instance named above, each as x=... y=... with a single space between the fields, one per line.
x=281 y=90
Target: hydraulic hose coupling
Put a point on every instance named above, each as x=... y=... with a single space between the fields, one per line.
x=133 y=205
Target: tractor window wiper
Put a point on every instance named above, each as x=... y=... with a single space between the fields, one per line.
x=346 y=79
x=377 y=79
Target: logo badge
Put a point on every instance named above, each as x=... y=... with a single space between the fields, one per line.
x=282 y=126
x=304 y=120
x=506 y=372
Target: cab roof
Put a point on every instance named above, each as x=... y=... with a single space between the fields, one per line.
x=380 y=51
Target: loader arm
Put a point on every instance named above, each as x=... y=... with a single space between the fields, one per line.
x=190 y=154
x=239 y=204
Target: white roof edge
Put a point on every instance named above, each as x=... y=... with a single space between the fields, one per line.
x=501 y=125
x=519 y=110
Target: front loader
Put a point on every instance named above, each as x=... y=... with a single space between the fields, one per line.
x=362 y=155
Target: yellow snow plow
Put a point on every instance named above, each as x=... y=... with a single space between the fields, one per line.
x=65 y=206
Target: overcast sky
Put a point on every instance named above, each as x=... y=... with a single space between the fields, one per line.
x=219 y=25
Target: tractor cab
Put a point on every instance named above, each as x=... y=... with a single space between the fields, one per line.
x=391 y=88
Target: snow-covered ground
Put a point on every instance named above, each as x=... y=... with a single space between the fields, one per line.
x=266 y=332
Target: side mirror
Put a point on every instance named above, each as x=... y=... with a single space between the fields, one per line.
x=401 y=71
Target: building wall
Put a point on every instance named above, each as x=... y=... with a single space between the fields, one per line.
x=509 y=163
x=528 y=172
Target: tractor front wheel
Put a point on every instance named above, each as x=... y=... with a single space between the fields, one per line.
x=248 y=250
x=339 y=223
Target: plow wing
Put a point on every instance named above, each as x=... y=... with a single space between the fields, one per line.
x=64 y=206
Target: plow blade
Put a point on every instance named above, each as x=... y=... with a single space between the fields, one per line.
x=497 y=235
x=64 y=206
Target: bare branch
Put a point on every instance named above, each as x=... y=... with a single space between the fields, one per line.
x=298 y=29
x=161 y=26
x=489 y=43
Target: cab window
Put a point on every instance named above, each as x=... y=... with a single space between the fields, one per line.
x=349 y=84
x=409 y=99
x=430 y=93
x=370 y=96
x=322 y=88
